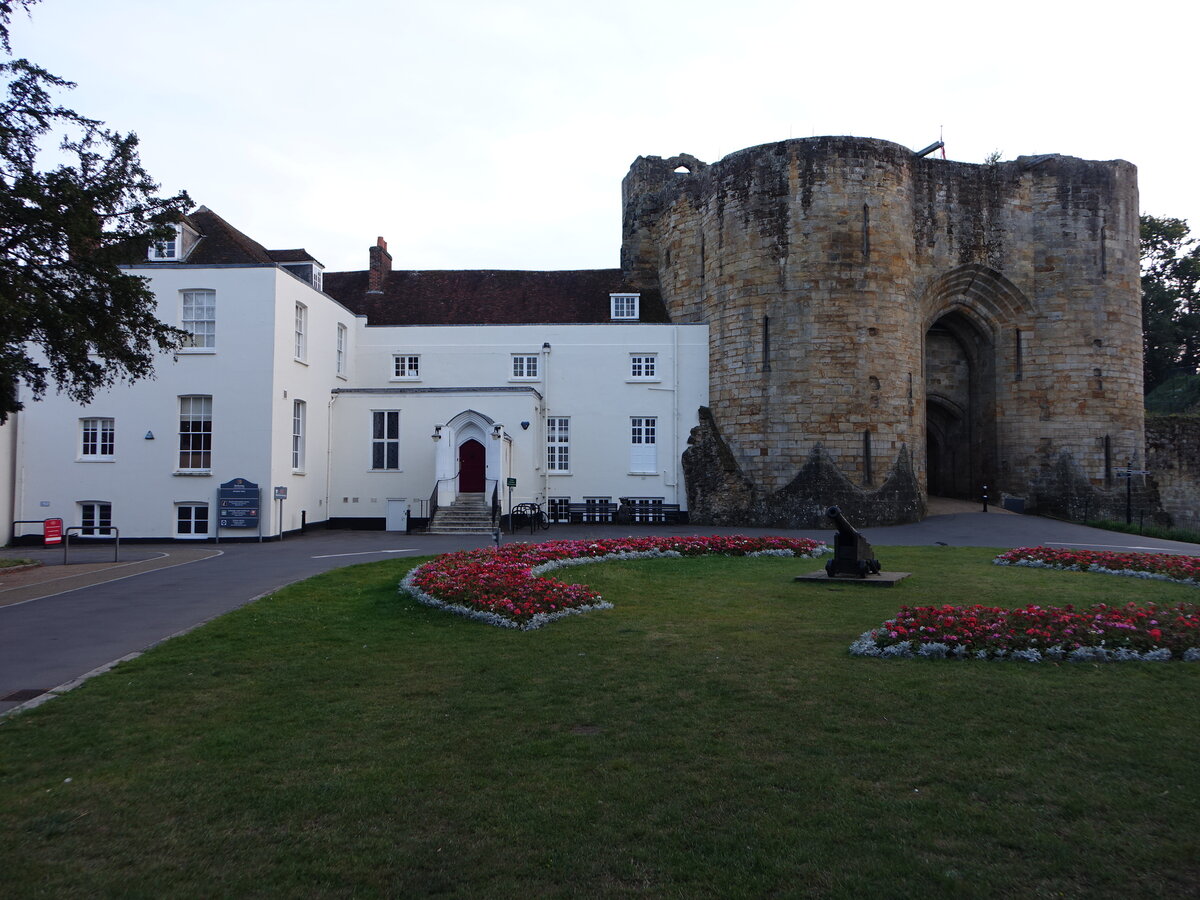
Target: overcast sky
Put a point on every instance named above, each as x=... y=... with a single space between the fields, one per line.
x=488 y=134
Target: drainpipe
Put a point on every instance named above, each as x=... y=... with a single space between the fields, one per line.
x=541 y=450
x=329 y=452
x=675 y=410
x=671 y=474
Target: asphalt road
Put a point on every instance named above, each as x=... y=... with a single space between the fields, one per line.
x=53 y=636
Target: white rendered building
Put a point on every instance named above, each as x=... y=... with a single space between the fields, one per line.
x=362 y=406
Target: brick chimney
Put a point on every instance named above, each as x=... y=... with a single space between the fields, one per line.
x=381 y=264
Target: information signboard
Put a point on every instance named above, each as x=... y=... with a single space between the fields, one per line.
x=239 y=502
x=52 y=531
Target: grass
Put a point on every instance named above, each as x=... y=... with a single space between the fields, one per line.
x=1187 y=535
x=710 y=736
x=7 y=563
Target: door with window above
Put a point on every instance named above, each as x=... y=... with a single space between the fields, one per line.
x=472 y=467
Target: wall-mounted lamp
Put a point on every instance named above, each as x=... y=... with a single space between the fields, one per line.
x=437 y=432
x=524 y=426
x=497 y=430
x=149 y=435
x=546 y=345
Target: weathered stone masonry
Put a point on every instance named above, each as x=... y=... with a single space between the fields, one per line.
x=884 y=325
x=1173 y=458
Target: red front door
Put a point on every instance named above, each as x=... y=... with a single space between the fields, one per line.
x=472 y=464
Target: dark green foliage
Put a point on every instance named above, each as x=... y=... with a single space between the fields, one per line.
x=68 y=312
x=1188 y=535
x=1175 y=396
x=1170 y=300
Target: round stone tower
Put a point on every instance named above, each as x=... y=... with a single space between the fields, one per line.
x=884 y=325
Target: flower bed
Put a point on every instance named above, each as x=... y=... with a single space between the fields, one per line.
x=1033 y=633
x=1160 y=566
x=500 y=585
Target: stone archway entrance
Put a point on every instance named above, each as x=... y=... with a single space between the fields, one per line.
x=960 y=407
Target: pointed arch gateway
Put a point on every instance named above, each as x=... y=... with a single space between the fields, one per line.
x=972 y=319
x=471 y=460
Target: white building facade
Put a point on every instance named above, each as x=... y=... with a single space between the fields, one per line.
x=284 y=386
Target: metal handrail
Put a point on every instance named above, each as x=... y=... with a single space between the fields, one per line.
x=17 y=522
x=115 y=532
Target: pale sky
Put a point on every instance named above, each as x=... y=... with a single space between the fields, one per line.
x=488 y=134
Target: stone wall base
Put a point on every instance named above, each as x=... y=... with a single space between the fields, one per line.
x=1173 y=458
x=1061 y=489
x=720 y=493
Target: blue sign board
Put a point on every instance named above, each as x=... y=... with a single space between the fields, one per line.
x=239 y=502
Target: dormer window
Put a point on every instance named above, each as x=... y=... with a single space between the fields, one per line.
x=624 y=306
x=174 y=248
x=166 y=250
x=308 y=272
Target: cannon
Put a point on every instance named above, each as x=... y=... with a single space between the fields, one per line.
x=852 y=554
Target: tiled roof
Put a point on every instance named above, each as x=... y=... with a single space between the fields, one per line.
x=486 y=297
x=292 y=256
x=222 y=243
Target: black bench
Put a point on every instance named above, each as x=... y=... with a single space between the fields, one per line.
x=649 y=513
x=594 y=513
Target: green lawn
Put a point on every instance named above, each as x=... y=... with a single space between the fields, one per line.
x=710 y=736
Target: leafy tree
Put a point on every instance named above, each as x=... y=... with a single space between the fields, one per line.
x=1170 y=300
x=68 y=312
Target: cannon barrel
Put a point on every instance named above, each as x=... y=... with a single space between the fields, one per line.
x=852 y=555
x=844 y=528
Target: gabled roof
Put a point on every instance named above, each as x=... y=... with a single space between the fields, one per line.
x=486 y=297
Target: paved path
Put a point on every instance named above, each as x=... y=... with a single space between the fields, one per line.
x=61 y=624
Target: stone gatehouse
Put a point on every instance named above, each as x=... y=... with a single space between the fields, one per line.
x=884 y=326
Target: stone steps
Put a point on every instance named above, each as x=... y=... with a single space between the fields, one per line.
x=468 y=514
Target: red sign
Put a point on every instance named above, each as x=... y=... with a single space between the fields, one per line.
x=52 y=531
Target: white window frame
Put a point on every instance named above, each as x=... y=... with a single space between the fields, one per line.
x=643 y=367
x=301 y=333
x=195 y=432
x=406 y=367
x=191 y=520
x=643 y=445
x=95 y=518
x=558 y=509
x=558 y=445
x=385 y=440
x=592 y=514
x=647 y=510
x=299 y=414
x=341 y=349
x=166 y=250
x=624 y=307
x=525 y=367
x=97 y=439
x=202 y=328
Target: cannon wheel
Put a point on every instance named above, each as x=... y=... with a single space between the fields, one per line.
x=864 y=568
x=829 y=568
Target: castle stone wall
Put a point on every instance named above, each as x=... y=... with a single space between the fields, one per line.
x=820 y=266
x=1173 y=460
